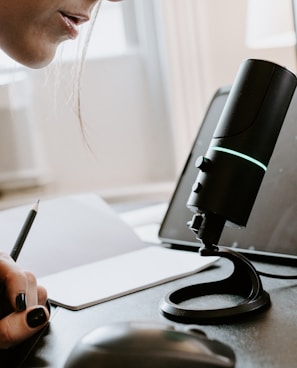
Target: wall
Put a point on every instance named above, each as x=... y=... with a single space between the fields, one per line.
x=225 y=45
x=204 y=44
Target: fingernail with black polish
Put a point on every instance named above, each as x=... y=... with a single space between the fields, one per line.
x=36 y=317
x=20 y=302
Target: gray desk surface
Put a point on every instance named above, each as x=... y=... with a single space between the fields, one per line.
x=266 y=340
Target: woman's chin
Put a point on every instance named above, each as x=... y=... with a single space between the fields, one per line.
x=33 y=60
x=37 y=62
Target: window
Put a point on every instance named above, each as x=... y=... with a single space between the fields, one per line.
x=6 y=62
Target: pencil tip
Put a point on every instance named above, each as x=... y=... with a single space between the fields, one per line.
x=35 y=208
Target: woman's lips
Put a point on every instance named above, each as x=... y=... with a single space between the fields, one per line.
x=72 y=22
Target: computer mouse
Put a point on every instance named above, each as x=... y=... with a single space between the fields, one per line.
x=148 y=345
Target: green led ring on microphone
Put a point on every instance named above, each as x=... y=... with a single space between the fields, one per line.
x=241 y=155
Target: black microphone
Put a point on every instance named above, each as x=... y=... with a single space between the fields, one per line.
x=227 y=184
x=233 y=167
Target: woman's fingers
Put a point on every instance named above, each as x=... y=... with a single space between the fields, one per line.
x=23 y=309
x=19 y=326
x=14 y=282
x=41 y=295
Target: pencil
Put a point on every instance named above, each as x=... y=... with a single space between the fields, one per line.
x=24 y=232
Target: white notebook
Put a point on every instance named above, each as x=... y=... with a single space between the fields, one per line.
x=84 y=254
x=68 y=231
x=97 y=282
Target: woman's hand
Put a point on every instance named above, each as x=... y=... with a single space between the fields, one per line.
x=22 y=304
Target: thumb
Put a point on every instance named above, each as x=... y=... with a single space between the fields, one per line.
x=19 y=326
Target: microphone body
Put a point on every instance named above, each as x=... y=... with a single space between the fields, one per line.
x=231 y=172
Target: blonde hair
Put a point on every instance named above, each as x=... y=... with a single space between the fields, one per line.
x=80 y=70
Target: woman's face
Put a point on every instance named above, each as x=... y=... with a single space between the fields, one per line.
x=31 y=30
